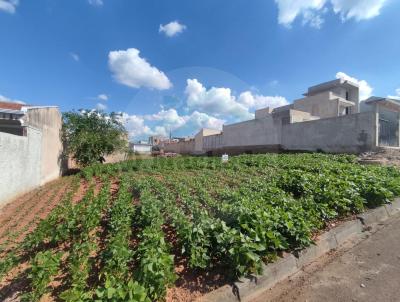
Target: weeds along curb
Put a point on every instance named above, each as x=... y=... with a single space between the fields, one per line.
x=246 y=289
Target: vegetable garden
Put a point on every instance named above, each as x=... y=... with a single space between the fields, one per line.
x=139 y=222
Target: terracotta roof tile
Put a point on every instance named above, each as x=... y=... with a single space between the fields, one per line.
x=12 y=106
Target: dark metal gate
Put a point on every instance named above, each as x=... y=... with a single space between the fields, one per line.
x=388 y=133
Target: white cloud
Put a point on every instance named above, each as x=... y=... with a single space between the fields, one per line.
x=130 y=69
x=218 y=101
x=172 y=29
x=135 y=126
x=358 y=9
x=200 y=120
x=397 y=96
x=290 y=9
x=170 y=117
x=313 y=19
x=74 y=56
x=9 y=6
x=164 y=121
x=209 y=108
x=254 y=101
x=96 y=2
x=221 y=102
x=102 y=97
x=311 y=11
x=101 y=107
x=6 y=99
x=365 y=88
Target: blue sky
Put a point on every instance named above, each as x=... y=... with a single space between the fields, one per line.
x=179 y=65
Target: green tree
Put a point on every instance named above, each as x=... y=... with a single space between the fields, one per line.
x=90 y=135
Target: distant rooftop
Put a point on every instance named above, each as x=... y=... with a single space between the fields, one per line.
x=393 y=103
x=12 y=106
x=20 y=107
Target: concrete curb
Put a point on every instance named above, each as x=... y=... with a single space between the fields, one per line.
x=246 y=289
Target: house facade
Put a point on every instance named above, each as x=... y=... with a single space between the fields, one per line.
x=30 y=147
x=328 y=118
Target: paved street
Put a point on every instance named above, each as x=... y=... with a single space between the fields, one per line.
x=369 y=271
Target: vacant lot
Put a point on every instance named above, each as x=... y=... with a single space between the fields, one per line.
x=149 y=230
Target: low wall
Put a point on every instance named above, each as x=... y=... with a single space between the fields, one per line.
x=184 y=147
x=257 y=132
x=116 y=157
x=20 y=163
x=245 y=150
x=108 y=159
x=212 y=142
x=354 y=133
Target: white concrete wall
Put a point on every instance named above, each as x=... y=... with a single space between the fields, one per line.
x=252 y=133
x=48 y=120
x=345 y=134
x=301 y=116
x=212 y=142
x=353 y=94
x=183 y=147
x=351 y=133
x=200 y=137
x=142 y=149
x=323 y=105
x=20 y=163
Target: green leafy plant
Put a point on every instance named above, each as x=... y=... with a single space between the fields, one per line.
x=44 y=266
x=234 y=216
x=90 y=135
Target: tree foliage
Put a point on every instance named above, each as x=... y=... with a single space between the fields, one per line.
x=91 y=135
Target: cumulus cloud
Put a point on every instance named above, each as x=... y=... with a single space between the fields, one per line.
x=208 y=108
x=169 y=117
x=255 y=101
x=172 y=29
x=220 y=101
x=9 y=6
x=365 y=88
x=164 y=121
x=135 y=126
x=311 y=11
x=96 y=2
x=312 y=19
x=358 y=9
x=6 y=99
x=200 y=120
x=290 y=9
x=130 y=69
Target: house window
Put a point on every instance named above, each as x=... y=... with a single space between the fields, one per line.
x=347 y=110
x=347 y=95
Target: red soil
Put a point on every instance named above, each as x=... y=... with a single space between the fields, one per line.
x=22 y=215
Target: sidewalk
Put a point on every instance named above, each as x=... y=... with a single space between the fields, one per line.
x=369 y=271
